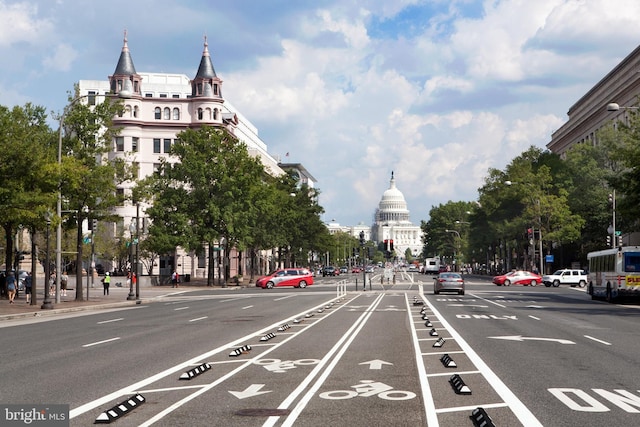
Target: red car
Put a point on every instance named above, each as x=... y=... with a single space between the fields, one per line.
x=518 y=277
x=296 y=277
x=356 y=270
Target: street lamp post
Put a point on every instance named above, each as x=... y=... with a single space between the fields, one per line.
x=455 y=255
x=46 y=304
x=137 y=265
x=132 y=230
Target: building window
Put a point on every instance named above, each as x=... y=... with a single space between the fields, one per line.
x=119 y=143
x=215 y=114
x=135 y=170
x=91 y=100
x=176 y=114
x=163 y=95
x=200 y=112
x=156 y=145
x=167 y=145
x=148 y=95
x=167 y=113
x=175 y=95
x=135 y=111
x=134 y=144
x=158 y=113
x=215 y=88
x=156 y=168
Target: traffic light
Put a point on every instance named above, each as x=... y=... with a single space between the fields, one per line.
x=362 y=238
x=618 y=240
x=386 y=245
x=610 y=198
x=94 y=224
x=391 y=245
x=608 y=240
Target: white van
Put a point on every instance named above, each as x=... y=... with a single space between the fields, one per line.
x=431 y=266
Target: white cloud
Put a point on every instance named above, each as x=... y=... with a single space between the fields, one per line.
x=62 y=58
x=18 y=23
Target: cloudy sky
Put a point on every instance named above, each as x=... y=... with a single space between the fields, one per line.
x=437 y=91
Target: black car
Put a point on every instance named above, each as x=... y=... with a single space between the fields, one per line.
x=329 y=271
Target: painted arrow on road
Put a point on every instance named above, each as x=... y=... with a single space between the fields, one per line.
x=251 y=391
x=376 y=364
x=521 y=338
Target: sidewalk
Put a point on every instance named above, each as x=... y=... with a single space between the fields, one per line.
x=117 y=298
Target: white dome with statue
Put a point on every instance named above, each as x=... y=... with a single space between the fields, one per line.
x=393 y=206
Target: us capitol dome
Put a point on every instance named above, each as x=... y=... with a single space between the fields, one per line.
x=392 y=223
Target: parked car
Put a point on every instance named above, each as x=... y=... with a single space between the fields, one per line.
x=296 y=277
x=356 y=270
x=344 y=269
x=448 y=282
x=330 y=270
x=566 y=276
x=518 y=277
x=370 y=269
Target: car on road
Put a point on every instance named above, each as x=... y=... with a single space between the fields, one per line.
x=566 y=276
x=518 y=277
x=356 y=270
x=296 y=277
x=344 y=269
x=369 y=269
x=448 y=282
x=330 y=270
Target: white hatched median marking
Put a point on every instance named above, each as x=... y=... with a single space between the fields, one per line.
x=597 y=340
x=109 y=321
x=101 y=342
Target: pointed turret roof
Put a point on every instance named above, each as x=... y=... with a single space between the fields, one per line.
x=206 y=70
x=125 y=65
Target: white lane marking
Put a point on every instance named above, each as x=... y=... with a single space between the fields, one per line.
x=285 y=297
x=427 y=396
x=488 y=301
x=523 y=413
x=112 y=320
x=534 y=317
x=180 y=308
x=104 y=400
x=198 y=318
x=246 y=307
x=470 y=408
x=101 y=342
x=339 y=349
x=597 y=340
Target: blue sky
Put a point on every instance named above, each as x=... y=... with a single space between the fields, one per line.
x=437 y=91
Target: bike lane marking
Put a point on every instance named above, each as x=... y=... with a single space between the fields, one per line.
x=132 y=388
x=324 y=368
x=523 y=413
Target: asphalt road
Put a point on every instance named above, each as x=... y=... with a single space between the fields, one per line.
x=317 y=357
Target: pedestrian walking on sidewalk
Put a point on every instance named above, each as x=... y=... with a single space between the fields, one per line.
x=64 y=279
x=11 y=286
x=175 y=279
x=106 y=281
x=28 y=284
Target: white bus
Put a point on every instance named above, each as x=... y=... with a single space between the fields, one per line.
x=431 y=266
x=614 y=273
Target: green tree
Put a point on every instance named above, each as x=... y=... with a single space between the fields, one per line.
x=205 y=197
x=89 y=178
x=28 y=172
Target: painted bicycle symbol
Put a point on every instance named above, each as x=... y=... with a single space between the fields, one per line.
x=368 y=388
